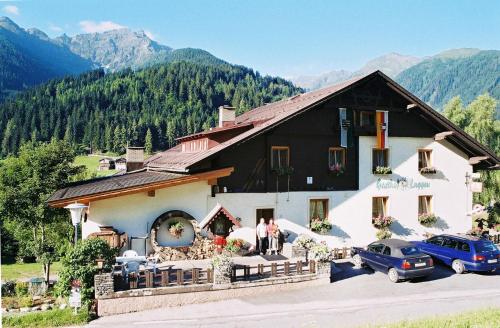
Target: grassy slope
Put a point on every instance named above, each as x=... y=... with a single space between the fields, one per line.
x=18 y=271
x=92 y=163
x=52 y=318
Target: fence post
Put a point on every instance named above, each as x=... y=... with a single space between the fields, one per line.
x=246 y=272
x=210 y=277
x=180 y=277
x=164 y=278
x=132 y=280
x=299 y=267
x=194 y=276
x=312 y=266
x=274 y=268
x=287 y=268
x=260 y=269
x=344 y=253
x=149 y=279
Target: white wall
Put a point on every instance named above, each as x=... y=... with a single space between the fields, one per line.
x=350 y=211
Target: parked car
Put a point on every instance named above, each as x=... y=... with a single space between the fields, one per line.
x=462 y=252
x=400 y=259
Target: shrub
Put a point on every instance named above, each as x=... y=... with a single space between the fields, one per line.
x=22 y=288
x=321 y=226
x=304 y=241
x=176 y=228
x=234 y=245
x=25 y=301
x=427 y=219
x=52 y=318
x=80 y=263
x=382 y=170
x=9 y=288
x=382 y=222
x=383 y=234
x=320 y=252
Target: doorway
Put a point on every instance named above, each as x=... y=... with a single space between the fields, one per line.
x=266 y=213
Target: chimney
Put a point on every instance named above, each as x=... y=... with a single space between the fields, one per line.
x=227 y=116
x=135 y=158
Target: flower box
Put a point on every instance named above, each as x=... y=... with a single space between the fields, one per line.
x=321 y=226
x=383 y=234
x=336 y=169
x=382 y=170
x=428 y=170
x=382 y=222
x=427 y=219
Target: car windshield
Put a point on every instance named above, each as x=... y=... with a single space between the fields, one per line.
x=410 y=250
x=485 y=246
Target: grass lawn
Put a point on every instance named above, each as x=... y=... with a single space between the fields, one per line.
x=52 y=318
x=487 y=318
x=92 y=163
x=18 y=271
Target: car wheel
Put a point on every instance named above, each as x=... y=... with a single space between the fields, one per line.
x=393 y=275
x=458 y=266
x=357 y=260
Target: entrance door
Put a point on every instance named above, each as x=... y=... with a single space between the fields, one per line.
x=266 y=213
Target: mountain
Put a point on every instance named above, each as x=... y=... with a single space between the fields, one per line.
x=459 y=72
x=29 y=57
x=107 y=111
x=391 y=64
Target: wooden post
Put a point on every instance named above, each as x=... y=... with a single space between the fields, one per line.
x=210 y=275
x=194 y=275
x=165 y=278
x=149 y=279
x=335 y=253
x=132 y=280
x=312 y=266
x=180 y=277
x=260 y=269
x=344 y=253
x=287 y=268
x=299 y=267
x=274 y=268
x=233 y=274
x=246 y=272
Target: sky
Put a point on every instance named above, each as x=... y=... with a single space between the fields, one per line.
x=286 y=38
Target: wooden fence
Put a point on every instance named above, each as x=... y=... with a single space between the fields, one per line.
x=495 y=239
x=179 y=277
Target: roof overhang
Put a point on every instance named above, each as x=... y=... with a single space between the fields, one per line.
x=86 y=199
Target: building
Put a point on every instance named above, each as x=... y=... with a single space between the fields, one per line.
x=121 y=164
x=106 y=164
x=345 y=154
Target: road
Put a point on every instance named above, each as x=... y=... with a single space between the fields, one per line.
x=356 y=297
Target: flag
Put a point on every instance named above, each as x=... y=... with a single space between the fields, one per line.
x=382 y=120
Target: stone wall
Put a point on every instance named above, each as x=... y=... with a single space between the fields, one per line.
x=104 y=285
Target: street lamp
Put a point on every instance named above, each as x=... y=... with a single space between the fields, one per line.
x=76 y=210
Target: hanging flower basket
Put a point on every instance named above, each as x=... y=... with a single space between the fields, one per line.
x=382 y=222
x=382 y=170
x=428 y=170
x=336 y=169
x=321 y=226
x=427 y=219
x=176 y=228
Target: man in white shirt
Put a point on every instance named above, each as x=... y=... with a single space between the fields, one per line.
x=262 y=235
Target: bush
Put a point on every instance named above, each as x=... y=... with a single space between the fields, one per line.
x=320 y=252
x=321 y=226
x=26 y=301
x=427 y=219
x=234 y=245
x=9 y=288
x=304 y=241
x=80 y=263
x=383 y=234
x=382 y=222
x=22 y=288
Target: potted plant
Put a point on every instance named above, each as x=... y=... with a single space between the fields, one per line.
x=322 y=226
x=382 y=170
x=233 y=246
x=301 y=245
x=428 y=170
x=322 y=254
x=176 y=228
x=336 y=169
x=383 y=234
x=382 y=222
x=427 y=219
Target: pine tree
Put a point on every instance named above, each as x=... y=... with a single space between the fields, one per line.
x=148 y=145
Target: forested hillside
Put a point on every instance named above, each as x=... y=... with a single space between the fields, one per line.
x=107 y=111
x=465 y=74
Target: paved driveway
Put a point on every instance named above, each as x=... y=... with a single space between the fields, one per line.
x=356 y=297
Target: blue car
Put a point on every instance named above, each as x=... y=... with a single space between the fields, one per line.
x=462 y=252
x=400 y=259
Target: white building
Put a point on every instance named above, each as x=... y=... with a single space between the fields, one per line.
x=313 y=156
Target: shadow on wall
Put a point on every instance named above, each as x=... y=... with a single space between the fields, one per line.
x=294 y=230
x=441 y=224
x=401 y=230
x=339 y=233
x=439 y=175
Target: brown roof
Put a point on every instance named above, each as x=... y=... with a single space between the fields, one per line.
x=270 y=115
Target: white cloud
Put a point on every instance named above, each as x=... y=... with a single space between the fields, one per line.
x=97 y=27
x=11 y=9
x=55 y=28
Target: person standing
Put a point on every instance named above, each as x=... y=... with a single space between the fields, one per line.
x=262 y=235
x=270 y=234
x=275 y=234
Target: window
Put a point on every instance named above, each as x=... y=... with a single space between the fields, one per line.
x=450 y=243
x=387 y=251
x=485 y=246
x=424 y=204
x=463 y=246
x=367 y=118
x=280 y=157
x=318 y=209
x=435 y=240
x=379 y=207
x=375 y=248
x=336 y=156
x=424 y=158
x=380 y=157
x=409 y=251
